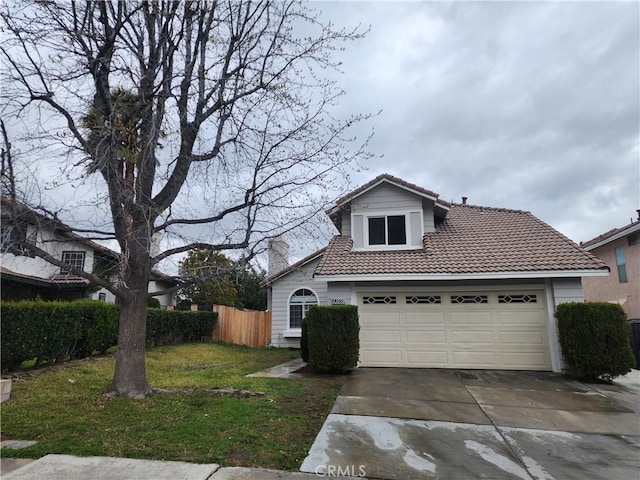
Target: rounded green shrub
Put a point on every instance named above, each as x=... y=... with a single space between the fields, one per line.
x=595 y=339
x=153 y=302
x=333 y=338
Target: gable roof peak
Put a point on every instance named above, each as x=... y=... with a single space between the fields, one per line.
x=393 y=180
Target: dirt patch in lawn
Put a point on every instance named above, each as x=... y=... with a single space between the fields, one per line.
x=306 y=369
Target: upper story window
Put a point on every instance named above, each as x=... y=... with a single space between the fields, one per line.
x=10 y=238
x=387 y=230
x=621 y=264
x=382 y=230
x=75 y=259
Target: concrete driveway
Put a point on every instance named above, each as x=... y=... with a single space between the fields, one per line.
x=408 y=424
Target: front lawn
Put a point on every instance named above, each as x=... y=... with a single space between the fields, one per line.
x=65 y=409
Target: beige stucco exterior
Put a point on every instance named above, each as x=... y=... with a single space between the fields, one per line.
x=610 y=289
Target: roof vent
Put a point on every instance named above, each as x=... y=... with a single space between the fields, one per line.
x=464 y=202
x=638 y=212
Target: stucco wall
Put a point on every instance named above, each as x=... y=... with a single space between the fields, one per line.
x=109 y=297
x=167 y=299
x=609 y=289
x=54 y=245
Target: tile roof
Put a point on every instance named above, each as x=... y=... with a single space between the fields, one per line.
x=632 y=227
x=58 y=279
x=470 y=240
x=272 y=278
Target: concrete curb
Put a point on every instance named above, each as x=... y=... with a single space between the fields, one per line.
x=67 y=467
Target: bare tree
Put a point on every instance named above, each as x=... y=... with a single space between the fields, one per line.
x=207 y=114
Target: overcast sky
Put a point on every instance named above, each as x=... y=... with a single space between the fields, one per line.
x=531 y=106
x=523 y=105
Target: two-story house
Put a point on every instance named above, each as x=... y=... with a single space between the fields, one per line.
x=24 y=276
x=620 y=250
x=437 y=284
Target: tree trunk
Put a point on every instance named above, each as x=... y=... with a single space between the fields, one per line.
x=129 y=378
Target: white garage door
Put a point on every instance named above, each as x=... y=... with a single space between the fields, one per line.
x=501 y=330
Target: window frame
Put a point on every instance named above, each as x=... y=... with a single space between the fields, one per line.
x=10 y=237
x=408 y=233
x=67 y=271
x=297 y=331
x=621 y=264
x=386 y=224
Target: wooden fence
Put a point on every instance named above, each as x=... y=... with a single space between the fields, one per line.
x=243 y=327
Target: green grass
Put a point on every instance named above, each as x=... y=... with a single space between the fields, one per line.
x=65 y=409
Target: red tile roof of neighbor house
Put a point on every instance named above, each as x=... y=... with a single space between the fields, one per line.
x=58 y=279
x=470 y=240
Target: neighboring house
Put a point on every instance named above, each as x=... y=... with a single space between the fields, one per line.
x=620 y=250
x=25 y=276
x=437 y=284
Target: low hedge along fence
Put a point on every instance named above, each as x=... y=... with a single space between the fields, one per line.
x=330 y=341
x=595 y=339
x=53 y=331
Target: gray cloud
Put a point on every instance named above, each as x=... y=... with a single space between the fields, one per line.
x=527 y=105
x=533 y=106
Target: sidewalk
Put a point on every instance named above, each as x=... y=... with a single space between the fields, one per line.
x=67 y=467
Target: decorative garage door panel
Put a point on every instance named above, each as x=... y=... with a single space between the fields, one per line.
x=503 y=330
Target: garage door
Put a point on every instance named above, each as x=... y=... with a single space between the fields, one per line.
x=501 y=330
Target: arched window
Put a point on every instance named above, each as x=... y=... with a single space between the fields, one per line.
x=299 y=304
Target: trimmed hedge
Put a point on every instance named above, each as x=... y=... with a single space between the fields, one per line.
x=332 y=338
x=54 y=331
x=153 y=302
x=170 y=327
x=594 y=337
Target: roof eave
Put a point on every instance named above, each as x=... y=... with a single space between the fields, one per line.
x=43 y=282
x=626 y=231
x=286 y=271
x=465 y=276
x=335 y=209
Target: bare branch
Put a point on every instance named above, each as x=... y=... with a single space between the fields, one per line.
x=209 y=119
x=194 y=245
